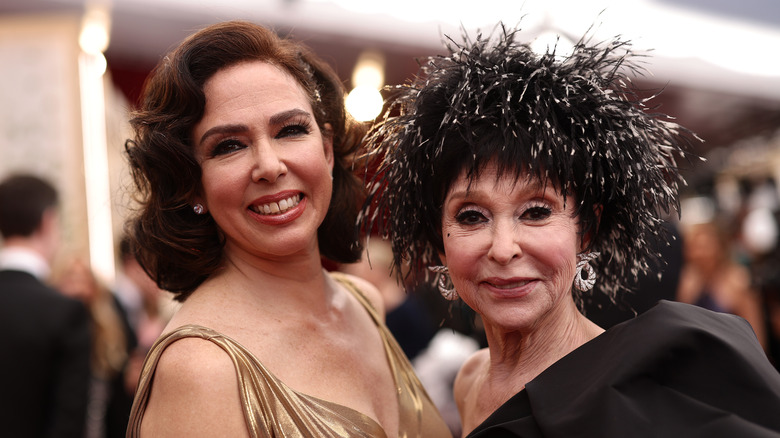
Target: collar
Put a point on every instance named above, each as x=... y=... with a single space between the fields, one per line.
x=23 y=259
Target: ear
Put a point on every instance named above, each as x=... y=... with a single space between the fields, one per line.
x=327 y=143
x=49 y=220
x=587 y=238
x=443 y=258
x=49 y=233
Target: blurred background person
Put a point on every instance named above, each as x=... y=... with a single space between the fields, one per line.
x=767 y=281
x=109 y=402
x=44 y=372
x=713 y=279
x=148 y=309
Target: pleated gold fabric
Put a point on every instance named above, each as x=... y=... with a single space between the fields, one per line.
x=272 y=409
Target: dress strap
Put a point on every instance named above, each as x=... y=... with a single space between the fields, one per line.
x=344 y=280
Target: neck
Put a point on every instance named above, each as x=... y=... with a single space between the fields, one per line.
x=285 y=284
x=30 y=244
x=253 y=289
x=20 y=254
x=517 y=357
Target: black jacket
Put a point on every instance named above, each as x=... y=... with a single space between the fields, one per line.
x=44 y=360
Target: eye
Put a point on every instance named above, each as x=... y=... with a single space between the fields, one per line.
x=294 y=129
x=227 y=146
x=470 y=217
x=536 y=213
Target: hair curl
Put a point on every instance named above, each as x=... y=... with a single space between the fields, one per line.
x=575 y=123
x=176 y=247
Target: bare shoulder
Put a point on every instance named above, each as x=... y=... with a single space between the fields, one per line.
x=466 y=389
x=467 y=376
x=195 y=393
x=369 y=290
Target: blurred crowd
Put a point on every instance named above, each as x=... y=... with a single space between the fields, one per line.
x=732 y=255
x=125 y=320
x=80 y=341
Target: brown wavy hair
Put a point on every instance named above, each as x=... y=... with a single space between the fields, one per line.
x=176 y=247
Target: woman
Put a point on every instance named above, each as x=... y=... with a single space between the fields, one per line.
x=525 y=179
x=712 y=279
x=240 y=159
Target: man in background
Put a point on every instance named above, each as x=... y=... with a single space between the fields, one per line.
x=44 y=370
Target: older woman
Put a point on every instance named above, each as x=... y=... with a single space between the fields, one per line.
x=241 y=160
x=528 y=183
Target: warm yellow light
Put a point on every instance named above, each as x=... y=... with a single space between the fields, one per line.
x=99 y=65
x=95 y=25
x=96 y=177
x=364 y=103
x=369 y=70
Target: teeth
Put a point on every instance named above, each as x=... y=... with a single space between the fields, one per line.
x=276 y=208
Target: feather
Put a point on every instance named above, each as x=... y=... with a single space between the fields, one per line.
x=574 y=122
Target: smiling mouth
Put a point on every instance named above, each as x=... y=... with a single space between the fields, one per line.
x=279 y=207
x=508 y=286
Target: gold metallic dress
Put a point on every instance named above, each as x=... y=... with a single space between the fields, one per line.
x=272 y=409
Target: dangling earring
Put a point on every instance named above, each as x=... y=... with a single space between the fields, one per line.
x=449 y=293
x=198 y=208
x=585 y=284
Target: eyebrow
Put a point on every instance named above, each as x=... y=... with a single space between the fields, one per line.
x=222 y=129
x=276 y=119
x=532 y=184
x=283 y=116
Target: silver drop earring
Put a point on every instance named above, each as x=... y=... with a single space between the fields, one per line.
x=198 y=208
x=583 y=264
x=446 y=288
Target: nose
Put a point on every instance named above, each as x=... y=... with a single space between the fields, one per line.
x=268 y=165
x=504 y=246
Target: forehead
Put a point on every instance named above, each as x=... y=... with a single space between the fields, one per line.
x=249 y=84
x=493 y=177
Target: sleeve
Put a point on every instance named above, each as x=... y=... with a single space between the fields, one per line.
x=714 y=369
x=71 y=380
x=677 y=370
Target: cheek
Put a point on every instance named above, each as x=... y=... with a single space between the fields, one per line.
x=459 y=261
x=315 y=173
x=219 y=182
x=564 y=267
x=559 y=260
x=308 y=161
x=463 y=253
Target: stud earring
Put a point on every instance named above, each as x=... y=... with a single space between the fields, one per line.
x=446 y=288
x=583 y=264
x=198 y=208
